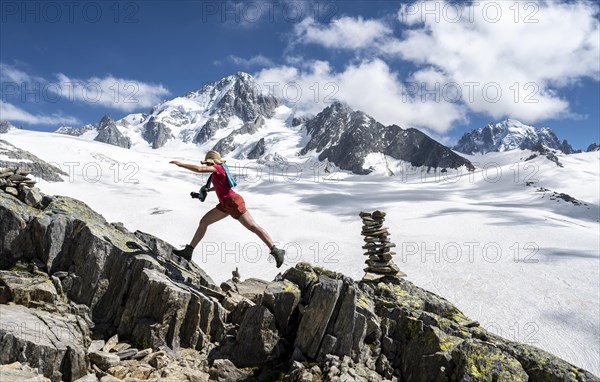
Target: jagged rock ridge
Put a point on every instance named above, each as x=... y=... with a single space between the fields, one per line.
x=345 y=137
x=593 y=147
x=25 y=160
x=106 y=132
x=509 y=135
x=309 y=324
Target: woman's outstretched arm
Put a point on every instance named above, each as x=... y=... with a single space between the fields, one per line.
x=193 y=167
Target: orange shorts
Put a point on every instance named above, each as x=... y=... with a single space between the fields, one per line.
x=234 y=206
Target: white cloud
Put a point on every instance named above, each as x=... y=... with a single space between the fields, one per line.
x=537 y=58
x=258 y=60
x=498 y=64
x=117 y=93
x=13 y=113
x=343 y=33
x=370 y=86
x=9 y=73
x=109 y=91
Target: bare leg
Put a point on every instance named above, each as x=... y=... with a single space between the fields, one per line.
x=209 y=218
x=248 y=222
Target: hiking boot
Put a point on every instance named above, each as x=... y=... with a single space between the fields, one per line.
x=278 y=254
x=186 y=253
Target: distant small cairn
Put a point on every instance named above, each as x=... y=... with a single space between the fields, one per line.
x=378 y=246
x=16 y=182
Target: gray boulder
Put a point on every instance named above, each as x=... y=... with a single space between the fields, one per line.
x=317 y=315
x=104 y=360
x=256 y=341
x=223 y=370
x=16 y=372
x=281 y=297
x=32 y=196
x=476 y=360
x=54 y=344
x=24 y=288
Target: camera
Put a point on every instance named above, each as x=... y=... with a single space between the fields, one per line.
x=199 y=195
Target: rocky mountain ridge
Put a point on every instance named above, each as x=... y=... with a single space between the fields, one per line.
x=233 y=116
x=345 y=137
x=83 y=279
x=508 y=135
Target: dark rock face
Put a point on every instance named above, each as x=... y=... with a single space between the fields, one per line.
x=24 y=159
x=132 y=283
x=209 y=129
x=256 y=342
x=246 y=100
x=53 y=343
x=345 y=137
x=542 y=150
x=509 y=135
x=5 y=126
x=297 y=121
x=243 y=99
x=156 y=133
x=316 y=317
x=76 y=131
x=226 y=145
x=108 y=133
x=258 y=150
x=593 y=147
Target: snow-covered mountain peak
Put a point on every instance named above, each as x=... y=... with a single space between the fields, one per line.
x=509 y=134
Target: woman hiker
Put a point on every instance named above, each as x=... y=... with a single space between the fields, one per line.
x=230 y=203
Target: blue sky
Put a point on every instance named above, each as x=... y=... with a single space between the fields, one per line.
x=377 y=56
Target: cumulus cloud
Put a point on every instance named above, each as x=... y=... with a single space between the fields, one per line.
x=345 y=33
x=501 y=59
x=507 y=60
x=370 y=85
x=9 y=73
x=14 y=113
x=109 y=91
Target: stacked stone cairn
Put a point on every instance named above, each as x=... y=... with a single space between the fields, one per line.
x=378 y=247
x=16 y=182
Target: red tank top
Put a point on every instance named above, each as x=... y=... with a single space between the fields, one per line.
x=221 y=184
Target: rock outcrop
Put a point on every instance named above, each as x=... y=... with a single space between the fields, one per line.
x=227 y=144
x=132 y=311
x=5 y=126
x=21 y=159
x=346 y=137
x=258 y=150
x=108 y=133
x=156 y=133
